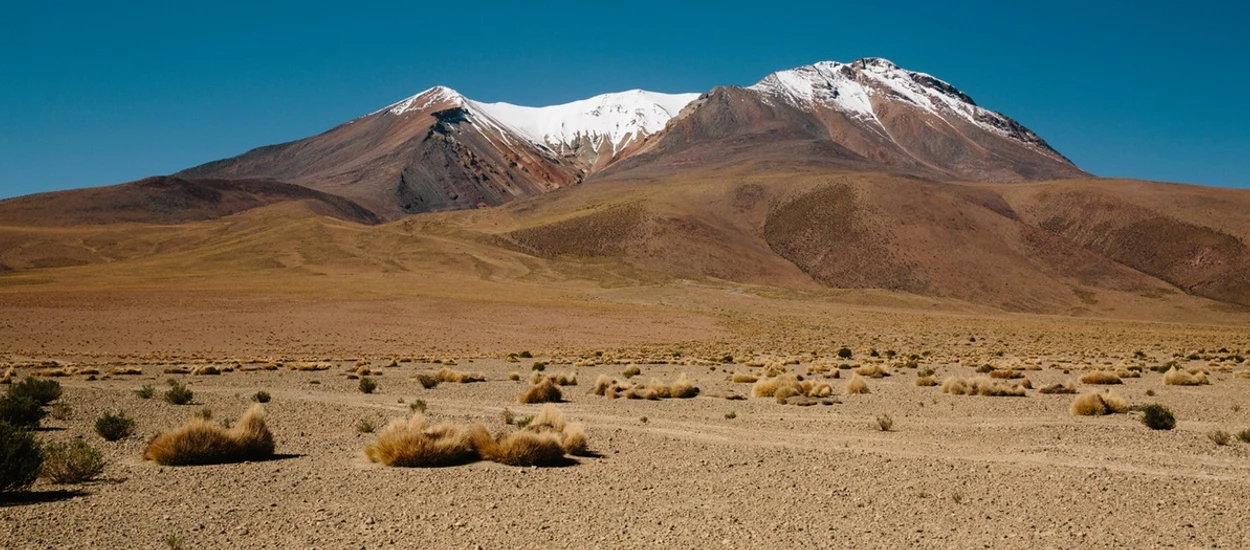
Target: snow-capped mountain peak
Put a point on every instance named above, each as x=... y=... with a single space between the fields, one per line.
x=610 y=120
x=858 y=88
x=424 y=100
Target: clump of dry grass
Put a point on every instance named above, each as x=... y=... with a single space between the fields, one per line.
x=176 y=370
x=1176 y=377
x=205 y=370
x=856 y=385
x=520 y=448
x=872 y=371
x=455 y=377
x=413 y=444
x=514 y=376
x=545 y=391
x=1128 y=373
x=786 y=386
x=631 y=371
x=7 y=378
x=744 y=378
x=1100 y=377
x=1006 y=374
x=203 y=442
x=124 y=371
x=682 y=388
x=1238 y=374
x=559 y=379
x=1098 y=404
x=1057 y=389
x=307 y=366
x=981 y=385
x=926 y=381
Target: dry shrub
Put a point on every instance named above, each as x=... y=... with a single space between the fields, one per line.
x=308 y=366
x=631 y=371
x=520 y=448
x=682 y=388
x=1128 y=373
x=1098 y=404
x=746 y=378
x=514 y=376
x=856 y=385
x=1057 y=389
x=872 y=371
x=981 y=385
x=88 y=371
x=125 y=371
x=1100 y=377
x=927 y=381
x=768 y=387
x=602 y=386
x=1006 y=374
x=7 y=378
x=362 y=371
x=550 y=420
x=205 y=370
x=1175 y=377
x=54 y=373
x=1238 y=374
x=203 y=442
x=774 y=369
x=177 y=370
x=543 y=392
x=451 y=376
x=558 y=379
x=411 y=444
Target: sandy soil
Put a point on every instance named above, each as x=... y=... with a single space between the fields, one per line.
x=955 y=471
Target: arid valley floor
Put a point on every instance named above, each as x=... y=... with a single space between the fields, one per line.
x=723 y=469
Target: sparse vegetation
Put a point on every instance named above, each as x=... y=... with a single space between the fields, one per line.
x=367 y=385
x=146 y=392
x=1219 y=437
x=418 y=405
x=450 y=376
x=20 y=458
x=885 y=423
x=72 y=462
x=113 y=427
x=1244 y=435
x=1158 y=417
x=1100 y=377
x=1177 y=377
x=1057 y=389
x=365 y=426
x=178 y=394
x=1098 y=404
x=545 y=391
x=427 y=381
x=60 y=411
x=856 y=385
x=261 y=396
x=201 y=442
x=981 y=385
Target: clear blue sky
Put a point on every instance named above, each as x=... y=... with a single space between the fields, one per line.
x=95 y=93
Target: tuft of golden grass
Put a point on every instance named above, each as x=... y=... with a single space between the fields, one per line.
x=200 y=441
x=631 y=371
x=768 y=387
x=744 y=378
x=7 y=378
x=543 y=392
x=412 y=444
x=980 y=385
x=1098 y=404
x=1100 y=377
x=558 y=379
x=927 y=381
x=1176 y=377
x=1058 y=389
x=872 y=371
x=1006 y=374
x=124 y=371
x=455 y=377
x=514 y=376
x=682 y=388
x=520 y=448
x=307 y=366
x=856 y=385
x=205 y=370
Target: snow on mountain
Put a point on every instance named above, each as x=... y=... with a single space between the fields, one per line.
x=851 y=88
x=614 y=120
x=610 y=120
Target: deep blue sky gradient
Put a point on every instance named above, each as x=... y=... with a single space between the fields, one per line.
x=96 y=93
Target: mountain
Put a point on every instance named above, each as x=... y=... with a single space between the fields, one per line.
x=868 y=115
x=439 y=150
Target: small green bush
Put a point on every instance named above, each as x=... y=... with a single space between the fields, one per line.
x=1244 y=435
x=367 y=385
x=42 y=391
x=73 y=462
x=427 y=381
x=261 y=396
x=113 y=427
x=417 y=405
x=20 y=458
x=845 y=353
x=146 y=392
x=1158 y=417
x=885 y=423
x=21 y=411
x=178 y=394
x=539 y=366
